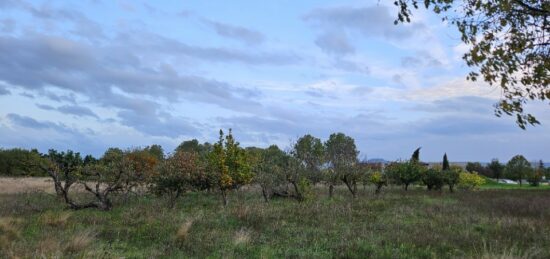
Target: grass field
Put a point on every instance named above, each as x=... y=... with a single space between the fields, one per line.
x=492 y=184
x=395 y=224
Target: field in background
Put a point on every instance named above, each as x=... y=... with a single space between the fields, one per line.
x=492 y=184
x=395 y=224
x=10 y=185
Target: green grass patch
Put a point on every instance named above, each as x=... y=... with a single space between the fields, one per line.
x=394 y=224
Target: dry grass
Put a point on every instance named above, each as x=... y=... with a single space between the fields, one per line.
x=10 y=185
x=242 y=237
x=55 y=219
x=80 y=241
x=9 y=231
x=48 y=248
x=14 y=185
x=183 y=231
x=507 y=253
x=394 y=224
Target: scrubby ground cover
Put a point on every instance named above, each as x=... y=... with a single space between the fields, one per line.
x=393 y=224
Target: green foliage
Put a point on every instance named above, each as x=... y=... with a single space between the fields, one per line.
x=157 y=151
x=416 y=155
x=518 y=168
x=178 y=174
x=341 y=154
x=446 y=165
x=296 y=174
x=473 y=167
x=496 y=168
x=535 y=176
x=479 y=168
x=433 y=179
x=508 y=43
x=407 y=173
x=470 y=181
x=310 y=151
x=378 y=179
x=194 y=146
x=404 y=173
x=306 y=189
x=452 y=176
x=268 y=166
x=19 y=162
x=229 y=165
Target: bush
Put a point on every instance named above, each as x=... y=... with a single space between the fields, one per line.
x=535 y=177
x=433 y=179
x=470 y=181
x=379 y=180
x=452 y=176
x=306 y=189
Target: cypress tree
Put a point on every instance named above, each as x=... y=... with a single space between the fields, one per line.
x=416 y=155
x=446 y=163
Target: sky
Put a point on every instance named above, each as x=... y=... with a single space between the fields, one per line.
x=92 y=74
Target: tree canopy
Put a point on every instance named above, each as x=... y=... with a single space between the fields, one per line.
x=509 y=46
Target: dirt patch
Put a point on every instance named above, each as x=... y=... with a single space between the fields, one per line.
x=9 y=185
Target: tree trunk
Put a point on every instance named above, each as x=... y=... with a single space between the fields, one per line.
x=330 y=190
x=264 y=193
x=350 y=188
x=451 y=188
x=299 y=195
x=378 y=188
x=406 y=187
x=224 y=197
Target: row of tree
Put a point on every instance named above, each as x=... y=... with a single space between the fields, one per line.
x=225 y=166
x=517 y=169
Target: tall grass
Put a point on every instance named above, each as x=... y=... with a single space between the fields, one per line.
x=394 y=224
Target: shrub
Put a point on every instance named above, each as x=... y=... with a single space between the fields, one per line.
x=535 y=177
x=306 y=189
x=433 y=179
x=470 y=181
x=379 y=180
x=452 y=176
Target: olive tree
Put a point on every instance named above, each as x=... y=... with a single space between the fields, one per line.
x=268 y=167
x=341 y=154
x=101 y=179
x=310 y=151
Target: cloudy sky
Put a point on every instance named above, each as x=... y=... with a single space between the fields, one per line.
x=88 y=75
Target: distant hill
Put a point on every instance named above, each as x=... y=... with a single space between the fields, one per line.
x=377 y=160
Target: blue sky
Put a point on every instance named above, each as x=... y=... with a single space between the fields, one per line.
x=88 y=75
